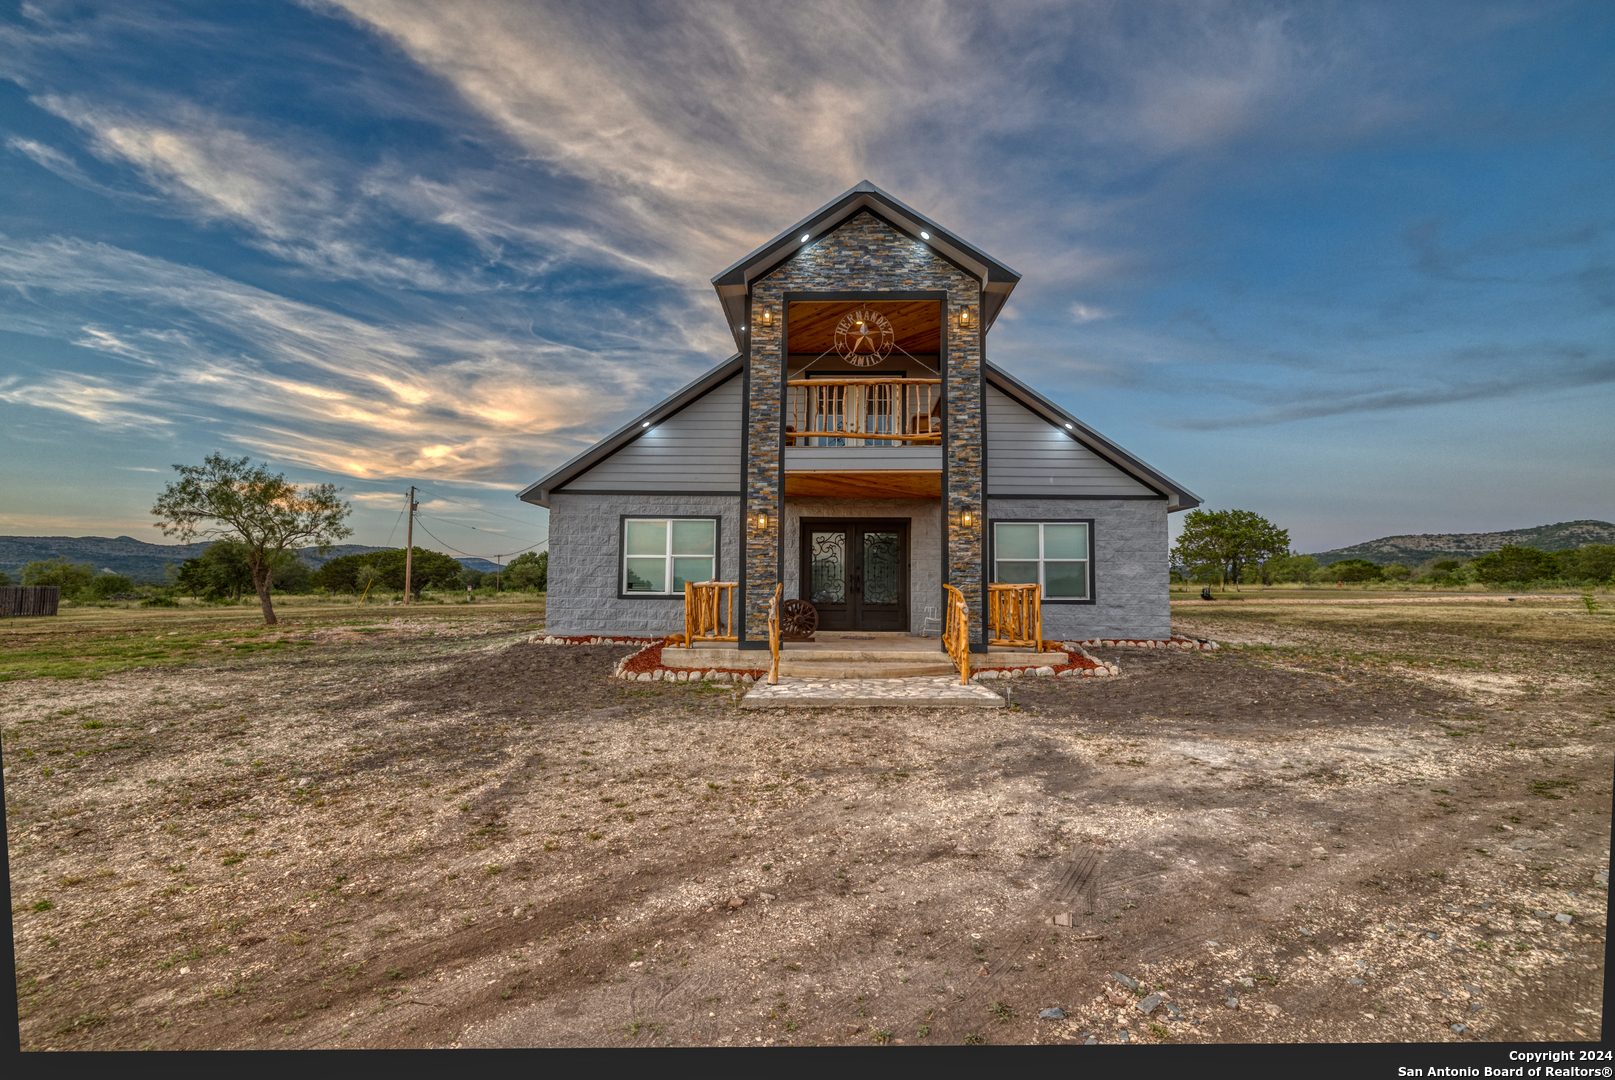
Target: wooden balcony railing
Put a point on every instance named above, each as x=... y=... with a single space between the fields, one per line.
x=1014 y=615
x=706 y=616
x=956 y=632
x=839 y=412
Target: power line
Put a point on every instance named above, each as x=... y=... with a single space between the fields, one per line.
x=469 y=555
x=473 y=528
x=394 y=531
x=477 y=508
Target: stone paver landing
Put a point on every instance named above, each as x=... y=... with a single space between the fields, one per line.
x=932 y=691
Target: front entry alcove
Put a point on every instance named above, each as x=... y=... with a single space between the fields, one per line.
x=854 y=571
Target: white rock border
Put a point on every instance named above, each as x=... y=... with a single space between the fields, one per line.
x=1174 y=642
x=1103 y=669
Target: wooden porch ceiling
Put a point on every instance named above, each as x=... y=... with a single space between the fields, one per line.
x=875 y=484
x=811 y=324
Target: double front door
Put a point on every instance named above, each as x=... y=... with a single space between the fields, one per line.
x=856 y=573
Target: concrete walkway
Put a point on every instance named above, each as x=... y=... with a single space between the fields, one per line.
x=931 y=691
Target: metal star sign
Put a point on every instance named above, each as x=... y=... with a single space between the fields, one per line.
x=864 y=338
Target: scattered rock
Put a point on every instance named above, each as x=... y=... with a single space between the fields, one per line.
x=1248 y=983
x=1562 y=917
x=1124 y=980
x=768 y=896
x=1148 y=1004
x=1062 y=919
x=1355 y=982
x=1124 y=1036
x=1052 y=1014
x=1459 y=1029
x=1272 y=1010
x=736 y=902
x=1232 y=1003
x=1091 y=1041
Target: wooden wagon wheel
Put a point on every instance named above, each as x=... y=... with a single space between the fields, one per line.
x=798 y=619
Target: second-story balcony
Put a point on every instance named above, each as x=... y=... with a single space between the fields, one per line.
x=863 y=437
x=863 y=412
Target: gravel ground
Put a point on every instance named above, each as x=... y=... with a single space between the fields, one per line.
x=420 y=833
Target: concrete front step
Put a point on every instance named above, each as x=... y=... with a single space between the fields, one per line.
x=827 y=661
x=819 y=668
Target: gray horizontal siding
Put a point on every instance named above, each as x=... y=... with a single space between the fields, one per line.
x=1027 y=455
x=696 y=449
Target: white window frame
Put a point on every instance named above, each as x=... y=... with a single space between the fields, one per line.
x=1042 y=562
x=668 y=556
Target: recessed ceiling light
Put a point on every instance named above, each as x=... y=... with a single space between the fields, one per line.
x=647 y=424
x=804 y=237
x=924 y=235
x=1068 y=427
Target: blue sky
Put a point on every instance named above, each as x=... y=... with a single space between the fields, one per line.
x=1349 y=266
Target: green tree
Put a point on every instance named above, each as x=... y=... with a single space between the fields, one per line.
x=230 y=499
x=1512 y=562
x=1395 y=572
x=71 y=577
x=1234 y=540
x=1288 y=568
x=1588 y=563
x=221 y=571
x=528 y=571
x=341 y=575
x=472 y=579
x=1351 y=570
x=108 y=584
x=431 y=568
x=5 y=579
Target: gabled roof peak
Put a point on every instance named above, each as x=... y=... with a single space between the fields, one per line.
x=734 y=284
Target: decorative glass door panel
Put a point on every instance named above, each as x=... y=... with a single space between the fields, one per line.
x=856 y=573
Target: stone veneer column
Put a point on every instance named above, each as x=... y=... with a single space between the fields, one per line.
x=764 y=431
x=864 y=254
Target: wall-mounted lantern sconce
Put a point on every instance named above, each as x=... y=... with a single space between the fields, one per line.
x=762 y=521
x=967 y=319
x=964 y=519
x=768 y=317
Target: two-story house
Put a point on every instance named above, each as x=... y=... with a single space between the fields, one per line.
x=860 y=448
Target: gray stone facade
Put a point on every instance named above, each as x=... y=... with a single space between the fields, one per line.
x=864 y=254
x=1131 y=591
x=586 y=561
x=924 y=543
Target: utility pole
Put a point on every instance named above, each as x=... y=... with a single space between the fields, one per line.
x=409 y=549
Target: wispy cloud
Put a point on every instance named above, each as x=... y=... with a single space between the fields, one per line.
x=303 y=384
x=1315 y=403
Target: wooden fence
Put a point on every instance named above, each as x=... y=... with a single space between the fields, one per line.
x=29 y=599
x=956 y=632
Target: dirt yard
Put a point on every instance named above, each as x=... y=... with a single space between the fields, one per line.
x=1369 y=823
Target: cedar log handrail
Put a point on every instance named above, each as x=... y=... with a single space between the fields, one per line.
x=884 y=410
x=1014 y=615
x=773 y=633
x=956 y=632
x=704 y=611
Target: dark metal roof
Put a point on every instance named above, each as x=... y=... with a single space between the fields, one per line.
x=734 y=284
x=1178 y=497
x=539 y=493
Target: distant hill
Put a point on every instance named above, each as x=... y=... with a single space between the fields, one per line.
x=1425 y=547
x=138 y=560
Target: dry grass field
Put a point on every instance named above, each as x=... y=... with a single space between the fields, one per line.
x=412 y=827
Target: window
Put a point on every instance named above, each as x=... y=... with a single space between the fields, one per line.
x=1054 y=555
x=661 y=554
